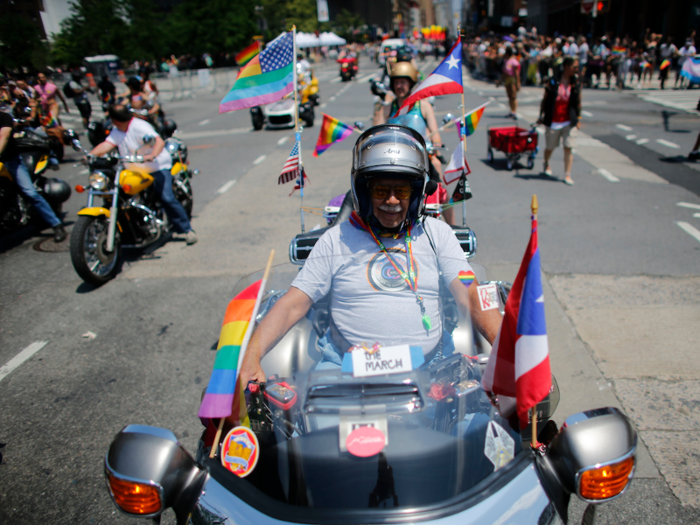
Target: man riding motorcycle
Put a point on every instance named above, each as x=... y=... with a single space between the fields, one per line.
x=138 y=99
x=383 y=268
x=420 y=117
x=129 y=136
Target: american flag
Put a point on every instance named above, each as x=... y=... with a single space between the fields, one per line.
x=290 y=171
x=278 y=53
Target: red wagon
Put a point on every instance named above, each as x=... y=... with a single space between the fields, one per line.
x=514 y=142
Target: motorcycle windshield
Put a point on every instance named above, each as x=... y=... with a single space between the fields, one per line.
x=398 y=421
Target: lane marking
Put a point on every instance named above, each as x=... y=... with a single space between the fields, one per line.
x=587 y=114
x=642 y=141
x=21 y=358
x=605 y=173
x=623 y=127
x=365 y=79
x=631 y=137
x=259 y=160
x=687 y=228
x=84 y=172
x=696 y=215
x=668 y=144
x=336 y=80
x=213 y=133
x=688 y=205
x=226 y=187
x=332 y=98
x=205 y=122
x=481 y=93
x=282 y=141
x=323 y=105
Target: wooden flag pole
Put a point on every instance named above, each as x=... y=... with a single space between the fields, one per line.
x=534 y=206
x=217 y=437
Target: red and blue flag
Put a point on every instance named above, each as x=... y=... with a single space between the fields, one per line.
x=519 y=363
x=445 y=80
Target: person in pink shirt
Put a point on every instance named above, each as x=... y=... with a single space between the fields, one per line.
x=46 y=93
x=511 y=79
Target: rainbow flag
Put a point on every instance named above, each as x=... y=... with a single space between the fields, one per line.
x=472 y=119
x=332 y=130
x=268 y=77
x=248 y=53
x=48 y=121
x=235 y=333
x=618 y=50
x=665 y=64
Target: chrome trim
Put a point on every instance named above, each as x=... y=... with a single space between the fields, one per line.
x=622 y=458
x=150 y=482
x=294 y=250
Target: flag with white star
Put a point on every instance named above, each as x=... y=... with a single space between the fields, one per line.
x=445 y=80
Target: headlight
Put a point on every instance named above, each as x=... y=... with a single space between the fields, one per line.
x=98 y=181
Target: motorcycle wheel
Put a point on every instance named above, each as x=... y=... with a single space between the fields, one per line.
x=309 y=119
x=87 y=250
x=56 y=147
x=258 y=121
x=183 y=193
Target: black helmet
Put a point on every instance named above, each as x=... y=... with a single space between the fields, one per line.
x=389 y=151
x=56 y=191
x=134 y=82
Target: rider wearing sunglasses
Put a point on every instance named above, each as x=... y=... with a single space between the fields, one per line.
x=384 y=268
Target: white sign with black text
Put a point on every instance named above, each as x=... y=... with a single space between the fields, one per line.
x=386 y=360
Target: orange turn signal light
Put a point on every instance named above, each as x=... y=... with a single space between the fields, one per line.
x=606 y=482
x=133 y=497
x=126 y=187
x=79 y=188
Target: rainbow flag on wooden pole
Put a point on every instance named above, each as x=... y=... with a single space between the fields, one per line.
x=332 y=131
x=471 y=119
x=268 y=76
x=224 y=384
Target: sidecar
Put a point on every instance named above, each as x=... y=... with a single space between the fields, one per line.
x=387 y=436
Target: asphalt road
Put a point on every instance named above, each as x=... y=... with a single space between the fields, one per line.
x=613 y=255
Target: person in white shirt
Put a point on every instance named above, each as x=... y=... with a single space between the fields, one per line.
x=688 y=50
x=573 y=48
x=668 y=52
x=583 y=58
x=129 y=136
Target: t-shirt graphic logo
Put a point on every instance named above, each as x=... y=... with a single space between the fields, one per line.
x=382 y=275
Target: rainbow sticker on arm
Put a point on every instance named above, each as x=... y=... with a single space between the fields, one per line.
x=466 y=278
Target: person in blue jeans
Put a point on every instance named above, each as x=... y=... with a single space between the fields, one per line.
x=10 y=157
x=131 y=136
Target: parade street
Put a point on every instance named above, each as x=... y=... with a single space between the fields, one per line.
x=620 y=252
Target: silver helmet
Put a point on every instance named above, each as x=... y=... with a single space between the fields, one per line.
x=389 y=151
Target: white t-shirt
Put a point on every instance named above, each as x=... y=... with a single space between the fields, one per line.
x=668 y=50
x=370 y=302
x=573 y=50
x=132 y=143
x=583 y=53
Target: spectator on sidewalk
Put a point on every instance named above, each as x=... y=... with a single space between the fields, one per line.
x=668 y=51
x=511 y=79
x=560 y=112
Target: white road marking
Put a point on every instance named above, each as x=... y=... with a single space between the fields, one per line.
x=631 y=137
x=688 y=205
x=587 y=114
x=623 y=127
x=481 y=93
x=226 y=187
x=259 y=160
x=212 y=133
x=331 y=99
x=84 y=172
x=21 y=358
x=501 y=105
x=642 y=141
x=323 y=105
x=687 y=228
x=696 y=215
x=336 y=80
x=365 y=79
x=281 y=141
x=668 y=144
x=205 y=122
x=605 y=173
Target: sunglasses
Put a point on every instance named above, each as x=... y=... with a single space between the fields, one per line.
x=382 y=192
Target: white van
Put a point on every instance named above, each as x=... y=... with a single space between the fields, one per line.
x=388 y=46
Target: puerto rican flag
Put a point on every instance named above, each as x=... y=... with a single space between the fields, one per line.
x=519 y=362
x=445 y=80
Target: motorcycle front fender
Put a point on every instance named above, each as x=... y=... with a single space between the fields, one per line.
x=95 y=211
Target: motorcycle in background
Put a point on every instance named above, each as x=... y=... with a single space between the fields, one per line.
x=130 y=216
x=280 y=114
x=348 y=68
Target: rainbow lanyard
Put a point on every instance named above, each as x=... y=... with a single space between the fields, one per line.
x=411 y=278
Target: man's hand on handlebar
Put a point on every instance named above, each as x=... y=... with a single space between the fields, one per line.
x=251 y=369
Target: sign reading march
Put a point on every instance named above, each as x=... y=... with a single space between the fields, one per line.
x=386 y=360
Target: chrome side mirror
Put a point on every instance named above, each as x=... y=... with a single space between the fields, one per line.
x=447 y=119
x=148 y=471
x=149 y=140
x=593 y=455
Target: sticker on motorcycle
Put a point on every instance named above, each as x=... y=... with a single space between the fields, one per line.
x=365 y=441
x=348 y=424
x=240 y=451
x=488 y=296
x=499 y=447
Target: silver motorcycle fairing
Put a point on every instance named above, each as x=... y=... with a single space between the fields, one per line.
x=522 y=500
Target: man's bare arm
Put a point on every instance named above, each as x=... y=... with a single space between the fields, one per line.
x=489 y=322
x=286 y=312
x=4 y=137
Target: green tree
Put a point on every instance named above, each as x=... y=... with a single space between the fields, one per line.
x=20 y=43
x=346 y=22
x=281 y=15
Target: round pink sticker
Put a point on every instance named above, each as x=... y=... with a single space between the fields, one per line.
x=364 y=442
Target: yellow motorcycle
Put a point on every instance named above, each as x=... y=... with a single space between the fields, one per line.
x=130 y=214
